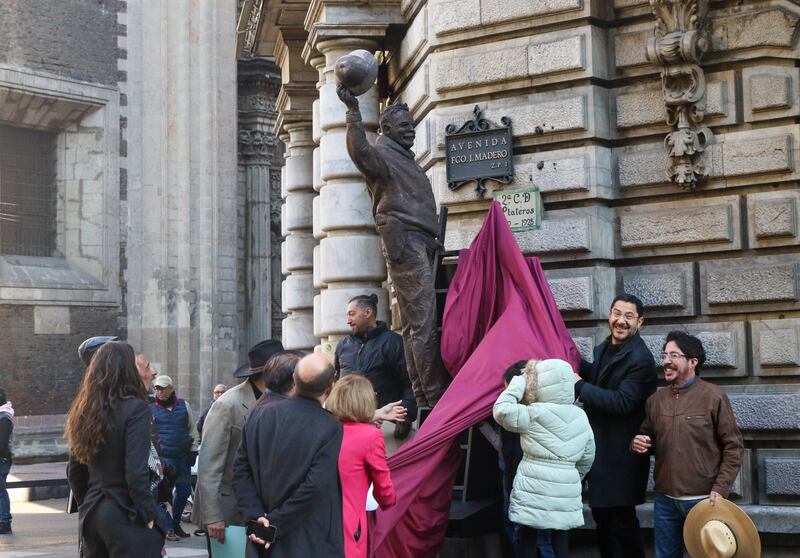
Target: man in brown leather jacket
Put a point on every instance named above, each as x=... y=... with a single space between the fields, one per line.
x=690 y=427
x=405 y=217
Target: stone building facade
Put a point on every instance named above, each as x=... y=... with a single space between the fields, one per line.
x=154 y=223
x=681 y=190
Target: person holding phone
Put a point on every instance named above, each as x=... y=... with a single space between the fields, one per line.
x=108 y=432
x=362 y=459
x=285 y=474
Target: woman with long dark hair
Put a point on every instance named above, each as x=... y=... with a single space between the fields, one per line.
x=108 y=431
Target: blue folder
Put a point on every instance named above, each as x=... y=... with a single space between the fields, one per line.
x=235 y=543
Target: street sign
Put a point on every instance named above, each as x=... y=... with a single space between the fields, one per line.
x=479 y=150
x=522 y=208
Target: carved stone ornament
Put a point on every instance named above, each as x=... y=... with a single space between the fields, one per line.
x=678 y=46
x=251 y=26
x=256 y=146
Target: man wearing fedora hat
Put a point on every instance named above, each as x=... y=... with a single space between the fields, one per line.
x=691 y=428
x=215 y=503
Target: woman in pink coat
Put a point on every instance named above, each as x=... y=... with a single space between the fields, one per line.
x=362 y=459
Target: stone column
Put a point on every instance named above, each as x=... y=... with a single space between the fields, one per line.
x=259 y=153
x=182 y=241
x=350 y=257
x=298 y=249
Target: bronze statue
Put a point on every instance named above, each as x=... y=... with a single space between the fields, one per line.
x=405 y=216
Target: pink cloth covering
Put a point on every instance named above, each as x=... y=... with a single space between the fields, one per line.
x=499 y=310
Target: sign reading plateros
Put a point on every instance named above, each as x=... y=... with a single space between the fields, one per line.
x=522 y=207
x=479 y=150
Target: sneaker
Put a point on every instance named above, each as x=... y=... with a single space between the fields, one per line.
x=181 y=533
x=199 y=533
x=171 y=536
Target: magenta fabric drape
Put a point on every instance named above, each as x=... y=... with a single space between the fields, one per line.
x=499 y=310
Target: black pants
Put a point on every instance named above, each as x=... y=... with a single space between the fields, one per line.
x=108 y=533
x=618 y=534
x=558 y=539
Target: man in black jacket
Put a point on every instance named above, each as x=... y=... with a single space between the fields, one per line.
x=613 y=390
x=376 y=353
x=286 y=471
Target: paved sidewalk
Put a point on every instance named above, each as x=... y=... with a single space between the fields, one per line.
x=43 y=529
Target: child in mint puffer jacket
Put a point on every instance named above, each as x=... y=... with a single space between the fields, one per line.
x=558 y=450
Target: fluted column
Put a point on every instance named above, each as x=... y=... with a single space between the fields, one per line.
x=350 y=257
x=259 y=157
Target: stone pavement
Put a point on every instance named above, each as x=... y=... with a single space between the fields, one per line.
x=43 y=529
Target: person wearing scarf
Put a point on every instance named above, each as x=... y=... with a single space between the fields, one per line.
x=6 y=429
x=177 y=435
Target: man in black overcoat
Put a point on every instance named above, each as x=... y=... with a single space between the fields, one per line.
x=286 y=472
x=613 y=390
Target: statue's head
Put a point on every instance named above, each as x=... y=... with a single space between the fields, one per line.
x=397 y=124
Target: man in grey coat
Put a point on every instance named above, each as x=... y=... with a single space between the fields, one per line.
x=215 y=504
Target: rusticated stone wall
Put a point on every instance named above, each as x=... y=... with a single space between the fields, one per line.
x=721 y=261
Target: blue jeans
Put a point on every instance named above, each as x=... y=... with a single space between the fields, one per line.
x=5 y=502
x=182 y=489
x=668 y=518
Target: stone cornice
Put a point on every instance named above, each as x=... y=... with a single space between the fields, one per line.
x=323 y=32
x=287 y=118
x=356 y=19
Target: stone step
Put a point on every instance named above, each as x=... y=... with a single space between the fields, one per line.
x=38 y=472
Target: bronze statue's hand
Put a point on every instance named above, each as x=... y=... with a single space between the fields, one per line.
x=347 y=97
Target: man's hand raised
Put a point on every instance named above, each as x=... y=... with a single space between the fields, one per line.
x=347 y=97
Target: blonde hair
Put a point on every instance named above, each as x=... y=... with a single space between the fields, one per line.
x=352 y=399
x=530 y=382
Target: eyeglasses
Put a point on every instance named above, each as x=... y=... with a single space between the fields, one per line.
x=160 y=388
x=673 y=356
x=629 y=316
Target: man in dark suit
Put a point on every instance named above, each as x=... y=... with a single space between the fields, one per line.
x=286 y=471
x=613 y=390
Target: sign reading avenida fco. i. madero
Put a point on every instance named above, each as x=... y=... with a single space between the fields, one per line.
x=479 y=150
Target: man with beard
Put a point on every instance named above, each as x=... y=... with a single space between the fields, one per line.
x=373 y=351
x=147 y=373
x=691 y=428
x=613 y=390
